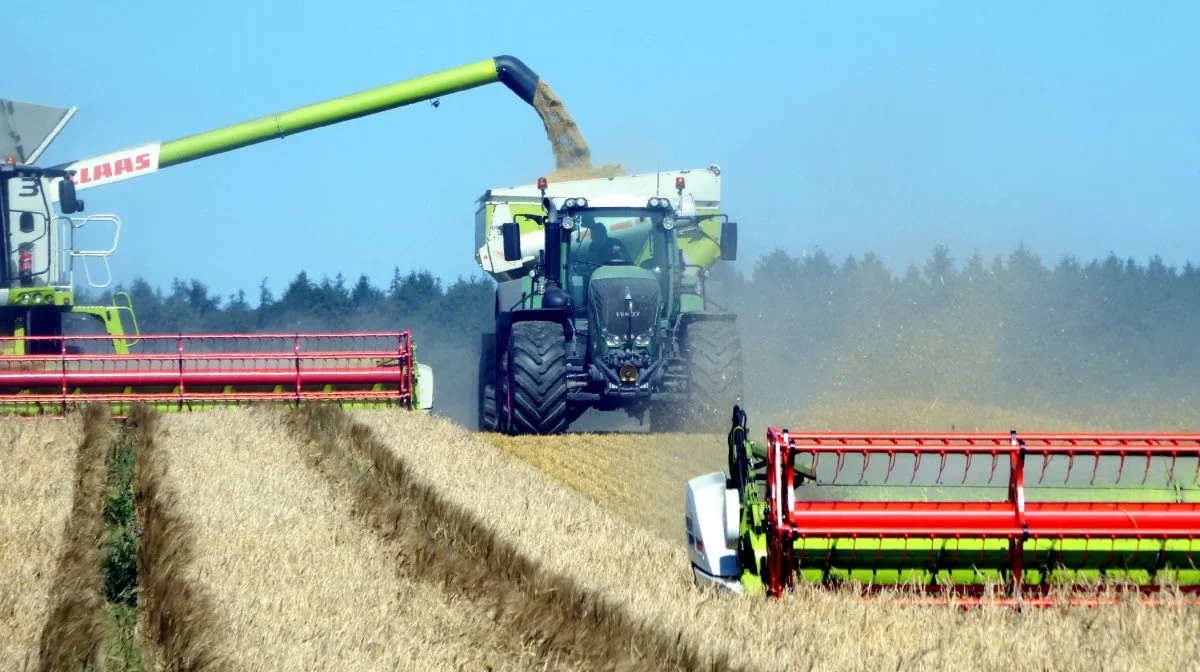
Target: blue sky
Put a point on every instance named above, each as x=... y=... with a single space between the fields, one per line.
x=1071 y=127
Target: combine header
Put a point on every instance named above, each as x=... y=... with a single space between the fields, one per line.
x=960 y=516
x=171 y=373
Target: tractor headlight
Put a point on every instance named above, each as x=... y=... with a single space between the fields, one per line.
x=642 y=341
x=24 y=298
x=581 y=202
x=37 y=298
x=613 y=340
x=569 y=203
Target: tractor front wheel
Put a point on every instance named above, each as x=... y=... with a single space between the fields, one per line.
x=538 y=378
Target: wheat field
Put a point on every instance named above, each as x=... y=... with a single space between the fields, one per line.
x=321 y=539
x=647 y=573
x=298 y=582
x=38 y=461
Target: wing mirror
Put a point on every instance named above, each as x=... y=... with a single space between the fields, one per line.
x=511 y=233
x=728 y=241
x=66 y=197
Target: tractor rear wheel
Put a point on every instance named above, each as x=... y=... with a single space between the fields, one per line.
x=538 y=376
x=714 y=356
x=488 y=420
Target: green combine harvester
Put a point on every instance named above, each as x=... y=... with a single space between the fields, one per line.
x=44 y=368
x=966 y=518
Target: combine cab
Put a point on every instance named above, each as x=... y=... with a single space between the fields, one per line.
x=955 y=515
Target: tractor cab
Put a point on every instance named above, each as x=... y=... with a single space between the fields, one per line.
x=600 y=302
x=616 y=237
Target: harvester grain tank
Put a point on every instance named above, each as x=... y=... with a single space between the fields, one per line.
x=952 y=515
x=46 y=370
x=601 y=302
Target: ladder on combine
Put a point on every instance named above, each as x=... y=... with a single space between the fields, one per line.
x=186 y=372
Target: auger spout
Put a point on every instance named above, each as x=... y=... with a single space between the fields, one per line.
x=137 y=161
x=507 y=70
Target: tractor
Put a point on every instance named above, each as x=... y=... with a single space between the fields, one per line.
x=601 y=303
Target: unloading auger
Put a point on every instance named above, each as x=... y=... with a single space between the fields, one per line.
x=44 y=369
x=968 y=517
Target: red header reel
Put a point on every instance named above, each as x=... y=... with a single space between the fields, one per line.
x=191 y=371
x=1049 y=499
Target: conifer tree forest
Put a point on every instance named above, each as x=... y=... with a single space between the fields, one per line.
x=1071 y=337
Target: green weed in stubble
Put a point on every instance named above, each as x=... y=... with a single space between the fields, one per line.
x=120 y=546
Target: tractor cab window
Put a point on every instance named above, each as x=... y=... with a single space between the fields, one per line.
x=614 y=237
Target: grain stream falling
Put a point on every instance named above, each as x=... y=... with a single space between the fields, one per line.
x=572 y=157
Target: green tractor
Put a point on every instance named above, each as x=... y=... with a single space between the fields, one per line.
x=602 y=303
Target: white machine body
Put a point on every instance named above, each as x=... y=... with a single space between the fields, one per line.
x=701 y=192
x=712 y=526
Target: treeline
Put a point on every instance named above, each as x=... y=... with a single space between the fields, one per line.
x=1009 y=330
x=330 y=304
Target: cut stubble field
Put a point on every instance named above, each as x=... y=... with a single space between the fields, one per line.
x=388 y=540
x=299 y=582
x=38 y=463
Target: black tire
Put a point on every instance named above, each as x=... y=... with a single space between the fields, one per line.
x=714 y=355
x=538 y=361
x=488 y=420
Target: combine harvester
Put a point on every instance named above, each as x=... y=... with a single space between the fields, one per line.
x=44 y=369
x=965 y=518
